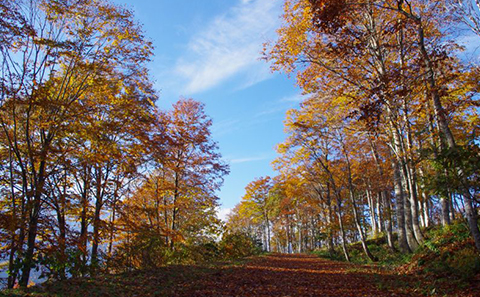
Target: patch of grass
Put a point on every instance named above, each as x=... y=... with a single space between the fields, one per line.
x=334 y=255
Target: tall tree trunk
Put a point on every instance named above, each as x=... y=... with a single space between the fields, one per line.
x=329 y=222
x=342 y=230
x=99 y=180
x=268 y=233
x=176 y=194
x=60 y=206
x=392 y=109
x=425 y=200
x=62 y=225
x=388 y=219
x=31 y=240
x=399 y=195
x=300 y=238
x=84 y=200
x=378 y=206
x=113 y=217
x=289 y=237
x=399 y=152
x=412 y=202
x=472 y=220
x=373 y=216
x=33 y=223
x=412 y=241
x=12 y=270
x=445 y=210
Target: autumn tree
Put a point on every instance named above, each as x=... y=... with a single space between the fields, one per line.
x=257 y=193
x=61 y=59
x=177 y=200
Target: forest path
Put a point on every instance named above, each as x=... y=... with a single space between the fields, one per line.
x=288 y=275
x=270 y=275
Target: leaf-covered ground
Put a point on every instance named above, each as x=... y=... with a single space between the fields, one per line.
x=273 y=275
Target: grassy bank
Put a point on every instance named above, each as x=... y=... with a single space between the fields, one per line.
x=447 y=263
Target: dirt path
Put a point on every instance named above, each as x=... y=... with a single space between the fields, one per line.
x=273 y=275
x=287 y=275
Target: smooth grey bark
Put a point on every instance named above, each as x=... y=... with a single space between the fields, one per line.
x=412 y=202
x=388 y=219
x=378 y=204
x=412 y=241
x=342 y=231
x=267 y=222
x=373 y=215
x=399 y=195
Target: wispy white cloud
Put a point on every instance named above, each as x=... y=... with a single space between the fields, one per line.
x=272 y=110
x=224 y=127
x=248 y=159
x=230 y=45
x=297 y=98
x=282 y=105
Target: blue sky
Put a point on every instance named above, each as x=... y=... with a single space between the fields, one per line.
x=209 y=50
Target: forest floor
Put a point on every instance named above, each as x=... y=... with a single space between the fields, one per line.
x=270 y=275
